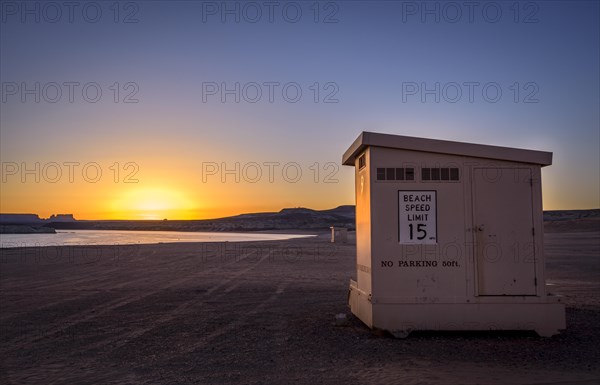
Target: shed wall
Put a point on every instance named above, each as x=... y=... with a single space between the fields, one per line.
x=446 y=271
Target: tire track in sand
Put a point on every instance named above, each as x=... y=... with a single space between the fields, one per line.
x=61 y=325
x=120 y=340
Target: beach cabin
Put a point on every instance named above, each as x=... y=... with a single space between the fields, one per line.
x=449 y=236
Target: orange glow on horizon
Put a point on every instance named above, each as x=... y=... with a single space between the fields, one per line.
x=172 y=189
x=153 y=203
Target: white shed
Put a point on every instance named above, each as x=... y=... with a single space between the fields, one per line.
x=449 y=237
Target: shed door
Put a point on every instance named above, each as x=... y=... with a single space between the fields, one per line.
x=503 y=225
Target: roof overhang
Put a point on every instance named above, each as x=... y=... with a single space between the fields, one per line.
x=367 y=139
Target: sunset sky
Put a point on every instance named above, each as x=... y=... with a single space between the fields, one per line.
x=136 y=114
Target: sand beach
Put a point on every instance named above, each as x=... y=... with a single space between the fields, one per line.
x=263 y=313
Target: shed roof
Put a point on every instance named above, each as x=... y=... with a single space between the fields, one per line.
x=366 y=139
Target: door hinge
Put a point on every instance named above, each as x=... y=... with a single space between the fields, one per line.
x=535 y=281
x=533 y=231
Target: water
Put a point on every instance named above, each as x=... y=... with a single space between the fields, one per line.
x=123 y=237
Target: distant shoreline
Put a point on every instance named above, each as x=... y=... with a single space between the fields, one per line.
x=285 y=220
x=298 y=220
x=26 y=229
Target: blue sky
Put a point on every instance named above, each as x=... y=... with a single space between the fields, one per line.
x=543 y=56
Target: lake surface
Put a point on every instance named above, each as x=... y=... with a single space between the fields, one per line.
x=123 y=237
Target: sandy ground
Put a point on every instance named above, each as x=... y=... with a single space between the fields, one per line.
x=261 y=312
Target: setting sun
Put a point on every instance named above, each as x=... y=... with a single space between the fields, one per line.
x=153 y=203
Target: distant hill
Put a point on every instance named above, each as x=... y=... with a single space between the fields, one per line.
x=34 y=219
x=20 y=219
x=558 y=221
x=286 y=219
x=31 y=223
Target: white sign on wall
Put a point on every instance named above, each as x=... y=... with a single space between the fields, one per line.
x=417 y=217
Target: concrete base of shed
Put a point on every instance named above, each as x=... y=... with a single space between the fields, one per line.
x=545 y=316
